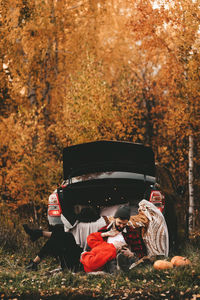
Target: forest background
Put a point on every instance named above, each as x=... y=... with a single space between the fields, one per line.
x=78 y=71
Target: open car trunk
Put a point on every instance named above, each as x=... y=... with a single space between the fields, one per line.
x=101 y=156
x=104 y=193
x=104 y=174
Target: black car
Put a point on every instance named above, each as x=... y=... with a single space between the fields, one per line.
x=106 y=174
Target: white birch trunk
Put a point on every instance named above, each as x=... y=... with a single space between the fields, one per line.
x=190 y=182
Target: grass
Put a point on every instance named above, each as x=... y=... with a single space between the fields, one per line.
x=142 y=282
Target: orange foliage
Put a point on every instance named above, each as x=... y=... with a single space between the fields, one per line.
x=76 y=71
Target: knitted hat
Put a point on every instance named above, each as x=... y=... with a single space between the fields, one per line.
x=123 y=212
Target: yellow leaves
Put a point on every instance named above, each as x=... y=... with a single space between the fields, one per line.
x=100 y=71
x=26 y=159
x=13 y=15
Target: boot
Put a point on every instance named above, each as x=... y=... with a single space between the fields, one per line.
x=111 y=266
x=32 y=266
x=34 y=234
x=123 y=262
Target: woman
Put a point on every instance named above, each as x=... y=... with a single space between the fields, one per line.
x=66 y=245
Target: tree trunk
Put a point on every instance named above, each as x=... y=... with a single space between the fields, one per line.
x=190 y=182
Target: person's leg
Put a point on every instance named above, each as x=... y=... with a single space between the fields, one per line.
x=69 y=252
x=111 y=266
x=34 y=234
x=46 y=234
x=124 y=262
x=33 y=264
x=47 y=249
x=50 y=248
x=62 y=245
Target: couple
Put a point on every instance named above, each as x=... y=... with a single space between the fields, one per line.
x=123 y=240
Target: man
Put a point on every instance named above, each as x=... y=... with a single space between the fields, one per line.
x=116 y=240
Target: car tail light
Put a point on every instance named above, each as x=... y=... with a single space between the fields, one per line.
x=54 y=209
x=158 y=199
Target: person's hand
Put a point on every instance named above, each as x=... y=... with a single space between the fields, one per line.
x=118 y=245
x=112 y=232
x=127 y=252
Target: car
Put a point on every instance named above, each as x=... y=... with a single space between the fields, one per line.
x=105 y=174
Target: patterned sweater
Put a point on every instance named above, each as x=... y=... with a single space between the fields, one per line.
x=133 y=238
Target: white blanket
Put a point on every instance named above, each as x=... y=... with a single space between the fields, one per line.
x=156 y=237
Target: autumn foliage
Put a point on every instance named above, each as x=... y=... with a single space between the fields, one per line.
x=77 y=71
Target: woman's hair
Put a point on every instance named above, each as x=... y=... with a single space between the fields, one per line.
x=88 y=214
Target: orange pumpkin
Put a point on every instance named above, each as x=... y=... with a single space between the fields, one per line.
x=175 y=258
x=162 y=265
x=179 y=261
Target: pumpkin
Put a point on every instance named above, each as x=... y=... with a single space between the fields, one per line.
x=162 y=265
x=179 y=261
x=175 y=258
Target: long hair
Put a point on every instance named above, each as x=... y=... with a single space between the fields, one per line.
x=88 y=214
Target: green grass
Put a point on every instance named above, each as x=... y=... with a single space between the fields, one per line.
x=142 y=282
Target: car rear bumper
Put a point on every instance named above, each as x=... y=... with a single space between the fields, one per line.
x=54 y=221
